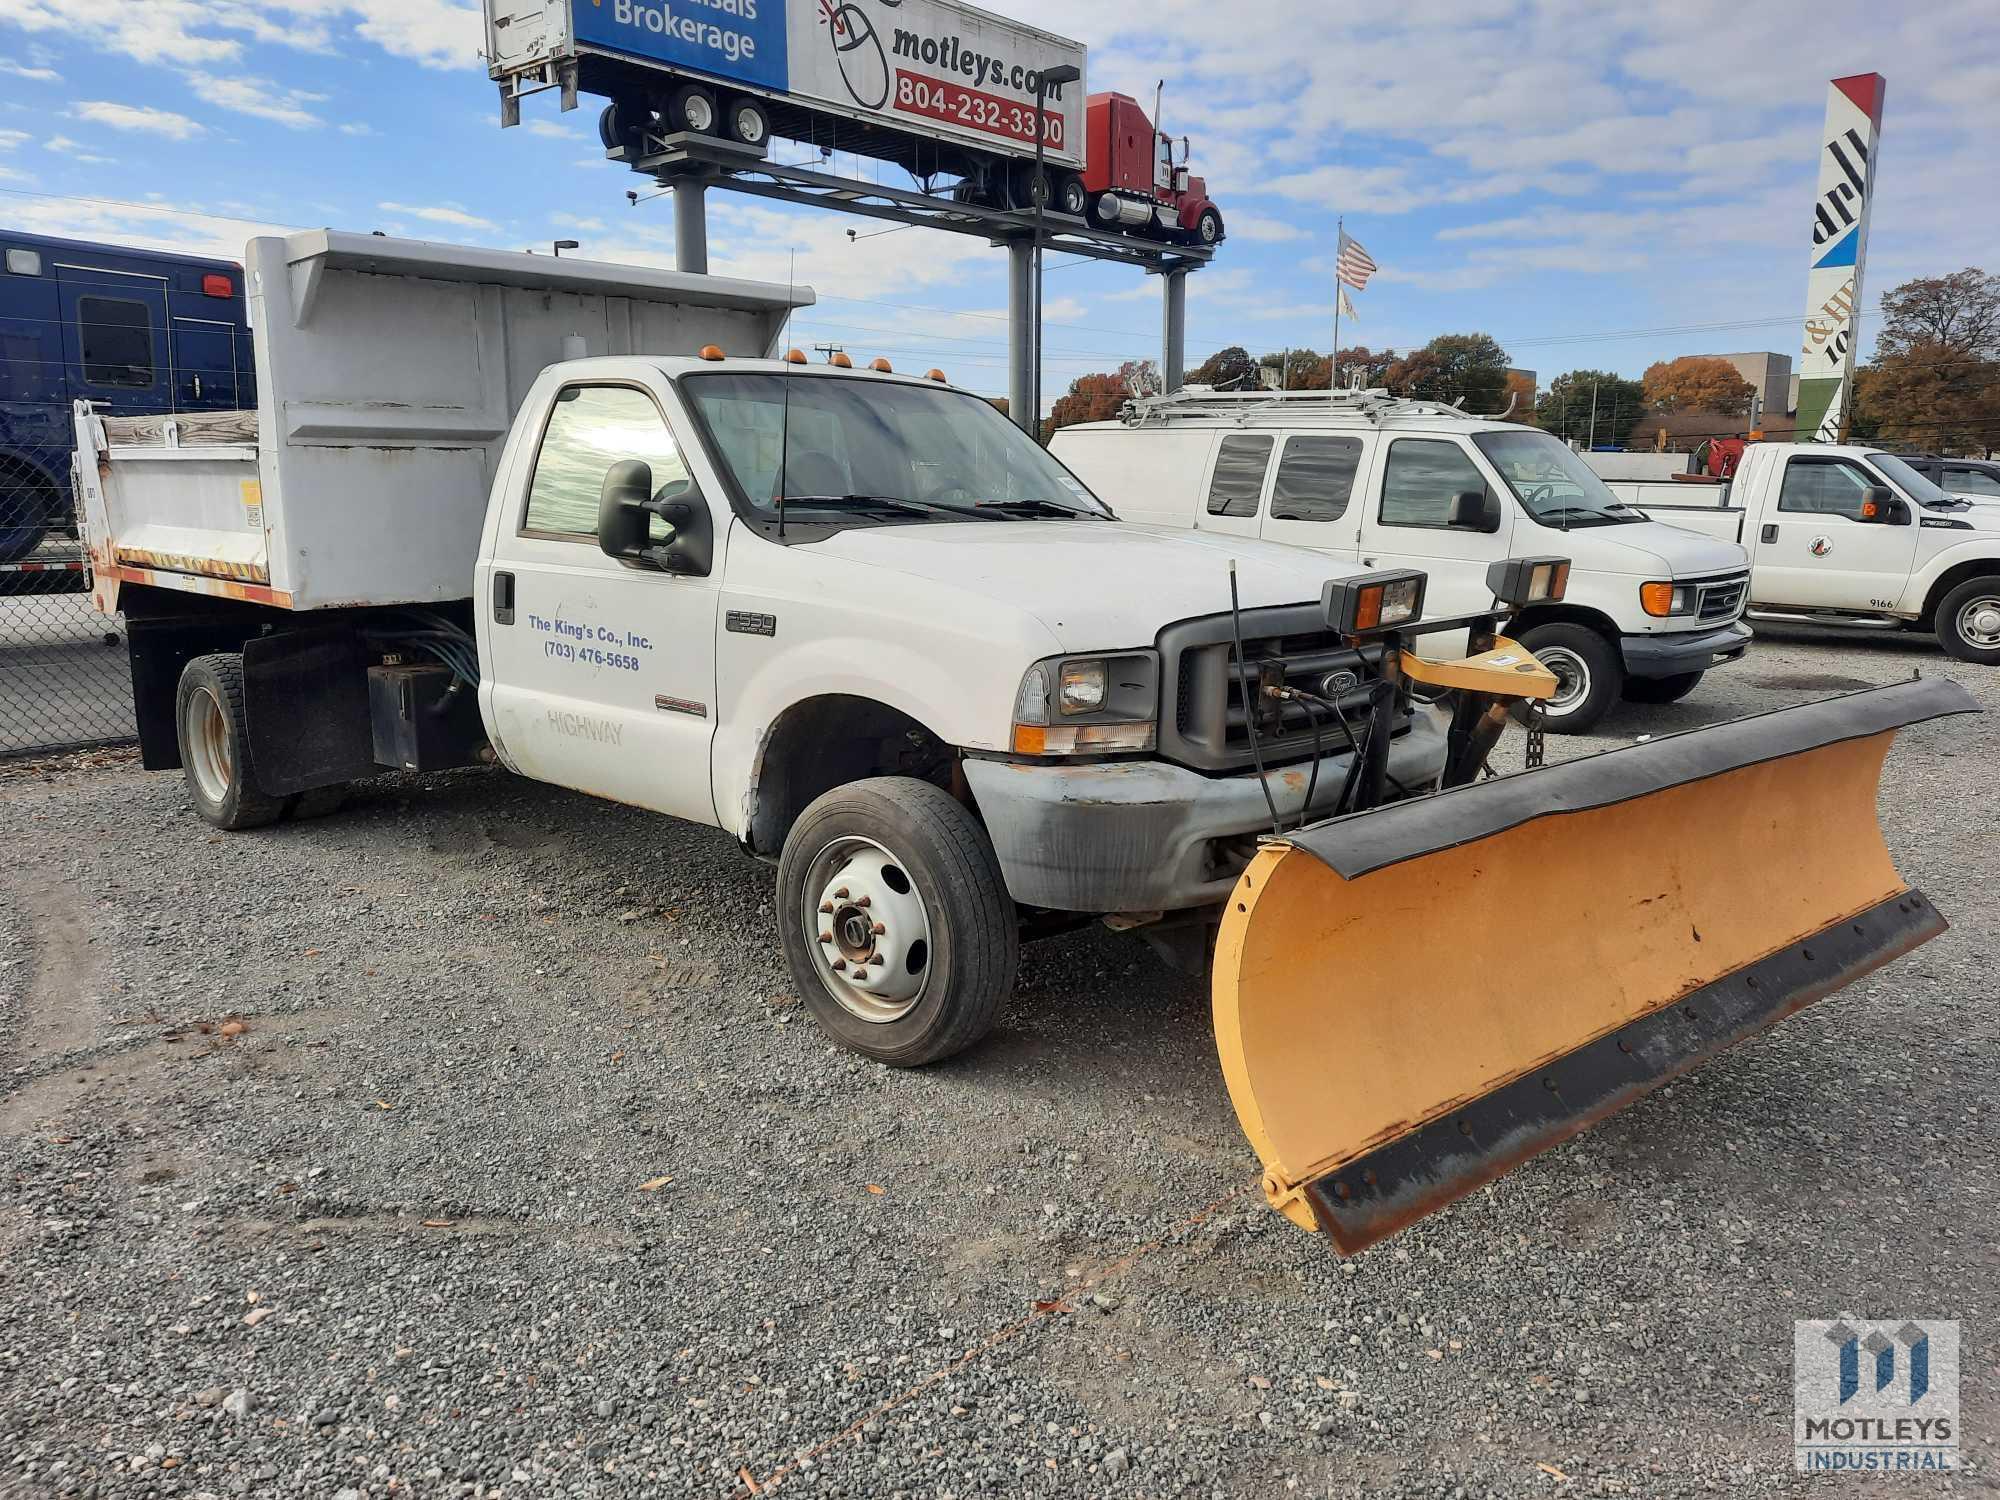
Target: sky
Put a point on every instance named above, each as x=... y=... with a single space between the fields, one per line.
x=1596 y=186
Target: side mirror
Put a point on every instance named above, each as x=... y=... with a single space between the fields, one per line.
x=625 y=508
x=1880 y=506
x=1474 y=510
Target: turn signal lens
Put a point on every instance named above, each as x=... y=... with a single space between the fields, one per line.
x=1657 y=598
x=1030 y=739
x=1084 y=739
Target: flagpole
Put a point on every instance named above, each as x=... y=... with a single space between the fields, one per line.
x=1333 y=359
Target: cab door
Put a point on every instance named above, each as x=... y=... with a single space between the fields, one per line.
x=1409 y=523
x=600 y=673
x=1312 y=494
x=1235 y=486
x=1814 y=549
x=115 y=346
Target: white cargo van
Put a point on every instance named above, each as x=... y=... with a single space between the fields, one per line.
x=1366 y=477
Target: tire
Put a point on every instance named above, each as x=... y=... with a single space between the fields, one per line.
x=1208 y=228
x=692 y=108
x=1968 y=621
x=863 y=838
x=1661 y=689
x=746 y=123
x=1588 y=667
x=215 y=748
x=1026 y=185
x=1071 y=199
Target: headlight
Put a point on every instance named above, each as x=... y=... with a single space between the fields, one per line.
x=1088 y=705
x=1664 y=599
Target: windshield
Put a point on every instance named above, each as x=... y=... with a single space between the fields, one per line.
x=871 y=451
x=1913 y=484
x=1554 y=484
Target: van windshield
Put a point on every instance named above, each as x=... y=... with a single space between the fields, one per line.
x=1552 y=483
x=868 y=452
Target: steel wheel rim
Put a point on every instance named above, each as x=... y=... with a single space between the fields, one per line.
x=870 y=942
x=1572 y=679
x=749 y=126
x=1208 y=230
x=1979 y=621
x=700 y=114
x=205 y=733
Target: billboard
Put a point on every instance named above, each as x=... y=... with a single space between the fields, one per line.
x=925 y=67
x=1839 y=248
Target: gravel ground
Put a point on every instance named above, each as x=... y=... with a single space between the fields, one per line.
x=470 y=1144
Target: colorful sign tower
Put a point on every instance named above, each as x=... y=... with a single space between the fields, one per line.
x=1840 y=245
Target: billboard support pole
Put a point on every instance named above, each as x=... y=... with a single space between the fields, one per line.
x=691 y=225
x=1173 y=328
x=1021 y=374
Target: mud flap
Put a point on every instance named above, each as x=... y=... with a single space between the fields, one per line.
x=1411 y=1001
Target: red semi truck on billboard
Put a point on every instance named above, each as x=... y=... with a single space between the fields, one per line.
x=944 y=90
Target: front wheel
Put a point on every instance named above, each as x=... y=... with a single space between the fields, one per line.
x=1589 y=676
x=1208 y=227
x=896 y=921
x=1661 y=689
x=1968 y=621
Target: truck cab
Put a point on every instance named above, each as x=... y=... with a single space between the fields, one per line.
x=1365 y=478
x=1844 y=534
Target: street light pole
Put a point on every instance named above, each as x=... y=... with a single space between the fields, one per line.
x=562 y=245
x=1038 y=191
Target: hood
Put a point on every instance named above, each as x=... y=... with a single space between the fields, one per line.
x=1097 y=585
x=1653 y=548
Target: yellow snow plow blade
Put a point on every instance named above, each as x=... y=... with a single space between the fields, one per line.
x=1413 y=1000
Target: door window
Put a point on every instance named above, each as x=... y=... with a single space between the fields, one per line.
x=592 y=427
x=1422 y=478
x=1824 y=487
x=117 y=340
x=1238 y=481
x=1315 y=478
x=1971 y=481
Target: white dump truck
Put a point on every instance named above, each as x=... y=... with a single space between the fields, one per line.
x=572 y=518
x=1364 y=477
x=1847 y=535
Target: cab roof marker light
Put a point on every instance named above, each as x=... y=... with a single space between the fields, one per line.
x=938 y=376
x=841 y=362
x=795 y=356
x=712 y=352
x=881 y=366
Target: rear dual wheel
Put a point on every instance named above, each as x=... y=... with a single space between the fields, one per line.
x=896 y=922
x=213 y=733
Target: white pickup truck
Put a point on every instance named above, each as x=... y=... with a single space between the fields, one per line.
x=1362 y=476
x=1848 y=536
x=856 y=619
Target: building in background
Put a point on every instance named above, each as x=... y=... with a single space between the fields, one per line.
x=1771 y=375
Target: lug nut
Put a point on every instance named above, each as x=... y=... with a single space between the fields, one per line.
x=841 y=894
x=826 y=937
x=878 y=929
x=864 y=901
x=826 y=908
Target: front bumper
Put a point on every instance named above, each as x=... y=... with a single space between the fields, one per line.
x=1147 y=835
x=1694 y=651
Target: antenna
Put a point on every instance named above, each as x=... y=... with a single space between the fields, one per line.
x=785 y=424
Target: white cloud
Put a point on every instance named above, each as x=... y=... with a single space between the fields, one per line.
x=36 y=75
x=62 y=145
x=435 y=33
x=139 y=117
x=259 y=97
x=440 y=213
x=356 y=127
x=553 y=130
x=1259 y=230
x=186 y=231
x=9 y=139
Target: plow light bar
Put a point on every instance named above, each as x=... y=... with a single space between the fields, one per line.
x=1373 y=601
x=1521 y=581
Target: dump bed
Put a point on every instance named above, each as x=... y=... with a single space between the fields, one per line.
x=388 y=375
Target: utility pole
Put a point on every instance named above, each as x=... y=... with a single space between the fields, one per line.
x=1593 y=416
x=829 y=350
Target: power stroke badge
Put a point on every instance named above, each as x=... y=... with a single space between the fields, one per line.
x=1875 y=1395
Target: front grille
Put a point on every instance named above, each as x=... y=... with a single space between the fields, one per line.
x=1209 y=728
x=1721 y=598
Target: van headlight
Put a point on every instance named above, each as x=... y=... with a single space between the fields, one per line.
x=1664 y=599
x=1088 y=705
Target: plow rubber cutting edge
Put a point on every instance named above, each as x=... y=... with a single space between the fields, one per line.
x=1411 y=1001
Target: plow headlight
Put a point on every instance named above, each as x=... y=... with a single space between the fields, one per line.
x=1664 y=599
x=1521 y=581
x=1373 y=601
x=1088 y=705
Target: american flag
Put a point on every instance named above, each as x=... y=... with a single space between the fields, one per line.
x=1355 y=265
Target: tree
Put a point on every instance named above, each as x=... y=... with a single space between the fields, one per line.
x=1521 y=392
x=1959 y=312
x=1931 y=396
x=1300 y=369
x=1468 y=367
x=1565 y=407
x=1227 y=369
x=1373 y=367
x=1099 y=398
x=1696 y=382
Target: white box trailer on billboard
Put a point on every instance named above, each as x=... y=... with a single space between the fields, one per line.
x=935 y=86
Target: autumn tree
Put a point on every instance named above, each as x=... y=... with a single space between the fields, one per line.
x=1099 y=398
x=1935 y=379
x=1566 y=407
x=1296 y=369
x=1959 y=312
x=1466 y=367
x=1227 y=369
x=1697 y=382
x=1372 y=366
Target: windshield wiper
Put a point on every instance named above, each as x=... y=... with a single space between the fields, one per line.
x=1565 y=513
x=1043 y=508
x=889 y=503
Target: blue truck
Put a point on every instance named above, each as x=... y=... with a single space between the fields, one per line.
x=137 y=332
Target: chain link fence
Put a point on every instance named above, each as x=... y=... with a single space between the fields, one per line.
x=63 y=676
